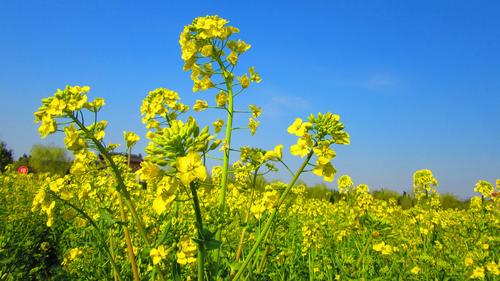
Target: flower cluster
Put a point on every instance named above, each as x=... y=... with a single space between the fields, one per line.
x=316 y=136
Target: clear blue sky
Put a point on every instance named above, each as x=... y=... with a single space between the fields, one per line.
x=417 y=83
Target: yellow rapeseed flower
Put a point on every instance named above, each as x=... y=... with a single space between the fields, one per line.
x=302 y=147
x=221 y=98
x=232 y=58
x=415 y=270
x=190 y=168
x=275 y=154
x=252 y=125
x=244 y=81
x=254 y=76
x=218 y=125
x=131 y=138
x=298 y=128
x=327 y=171
x=493 y=268
x=478 y=273
x=256 y=111
x=200 y=105
x=158 y=254
x=468 y=261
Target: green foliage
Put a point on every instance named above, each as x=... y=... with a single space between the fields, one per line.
x=49 y=159
x=319 y=191
x=450 y=201
x=22 y=161
x=5 y=156
x=386 y=194
x=28 y=248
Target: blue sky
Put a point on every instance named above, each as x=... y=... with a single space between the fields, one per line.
x=417 y=83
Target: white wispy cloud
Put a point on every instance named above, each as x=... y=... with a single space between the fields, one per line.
x=380 y=81
x=280 y=105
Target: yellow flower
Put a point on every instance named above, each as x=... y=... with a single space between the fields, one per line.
x=71 y=255
x=379 y=246
x=200 y=105
x=221 y=98
x=98 y=103
x=158 y=254
x=73 y=140
x=324 y=153
x=252 y=124
x=98 y=129
x=485 y=188
x=190 y=168
x=56 y=107
x=383 y=248
x=468 y=261
x=257 y=210
x=275 y=154
x=256 y=111
x=148 y=171
x=165 y=194
x=238 y=47
x=478 y=273
x=344 y=183
x=95 y=105
x=204 y=84
x=232 y=58
x=48 y=126
x=244 y=81
x=56 y=185
x=218 y=125
x=298 y=128
x=131 y=138
x=254 y=76
x=207 y=50
x=493 y=268
x=186 y=252
x=327 y=171
x=415 y=270
x=302 y=147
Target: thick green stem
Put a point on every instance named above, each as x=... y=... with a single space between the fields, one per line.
x=270 y=220
x=128 y=240
x=227 y=144
x=121 y=187
x=201 y=238
x=113 y=258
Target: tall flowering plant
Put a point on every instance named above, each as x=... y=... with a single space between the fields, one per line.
x=158 y=237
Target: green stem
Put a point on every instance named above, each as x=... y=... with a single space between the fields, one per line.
x=201 y=238
x=270 y=220
x=243 y=231
x=363 y=252
x=227 y=142
x=121 y=187
x=92 y=222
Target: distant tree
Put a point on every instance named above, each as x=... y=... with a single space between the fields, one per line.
x=23 y=161
x=5 y=156
x=406 y=201
x=450 y=201
x=49 y=159
x=386 y=194
x=319 y=191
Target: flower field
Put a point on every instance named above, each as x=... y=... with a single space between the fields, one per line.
x=177 y=219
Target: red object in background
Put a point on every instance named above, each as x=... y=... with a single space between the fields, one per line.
x=23 y=170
